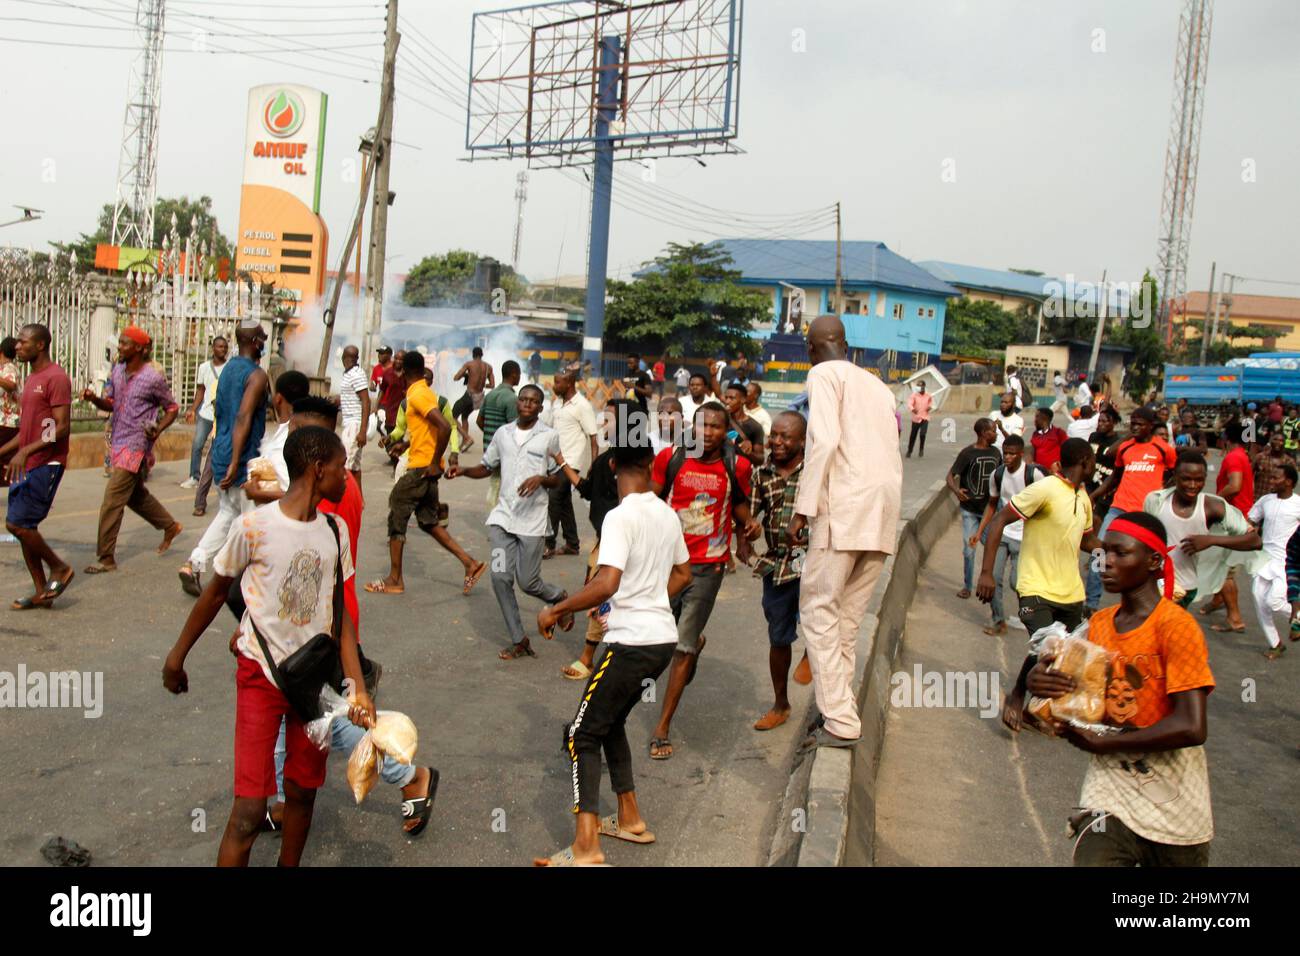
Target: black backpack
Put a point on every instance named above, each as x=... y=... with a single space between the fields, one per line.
x=728 y=462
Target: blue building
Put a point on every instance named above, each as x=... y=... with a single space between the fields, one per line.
x=893 y=310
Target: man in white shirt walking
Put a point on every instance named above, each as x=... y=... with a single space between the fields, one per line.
x=573 y=418
x=849 y=500
x=643 y=564
x=524 y=453
x=1276 y=516
x=354 y=409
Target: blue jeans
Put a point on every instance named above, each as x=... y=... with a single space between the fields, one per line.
x=344 y=737
x=1008 y=550
x=970 y=523
x=1092 y=582
x=202 y=429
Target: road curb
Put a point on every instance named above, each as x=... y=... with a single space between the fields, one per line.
x=828 y=813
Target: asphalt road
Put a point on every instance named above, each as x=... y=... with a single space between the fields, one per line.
x=149 y=781
x=1003 y=800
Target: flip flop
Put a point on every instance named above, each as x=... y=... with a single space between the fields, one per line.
x=189 y=581
x=421 y=807
x=609 y=827
x=1209 y=609
x=1224 y=629
x=379 y=587
x=471 y=579
x=101 y=568
x=55 y=588
x=659 y=743
x=563 y=858
x=580 y=671
x=27 y=604
x=268 y=824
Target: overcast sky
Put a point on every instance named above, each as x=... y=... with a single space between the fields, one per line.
x=1058 y=151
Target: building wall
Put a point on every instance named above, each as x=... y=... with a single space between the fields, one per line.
x=1287 y=338
x=1008 y=301
x=874 y=326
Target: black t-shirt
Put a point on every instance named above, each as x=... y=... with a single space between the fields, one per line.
x=640 y=379
x=973 y=469
x=1104 y=447
x=600 y=487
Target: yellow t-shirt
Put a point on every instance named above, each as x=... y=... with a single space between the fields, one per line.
x=420 y=401
x=1049 y=551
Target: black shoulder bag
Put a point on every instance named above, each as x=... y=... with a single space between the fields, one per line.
x=317 y=663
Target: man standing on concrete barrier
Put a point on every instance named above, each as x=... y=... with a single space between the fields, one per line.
x=849 y=499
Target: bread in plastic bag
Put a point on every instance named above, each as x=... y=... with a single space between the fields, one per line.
x=1086 y=662
x=394 y=734
x=363 y=767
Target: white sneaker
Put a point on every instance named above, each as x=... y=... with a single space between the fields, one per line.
x=189 y=483
x=1016 y=623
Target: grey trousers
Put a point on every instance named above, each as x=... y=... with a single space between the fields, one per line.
x=517 y=558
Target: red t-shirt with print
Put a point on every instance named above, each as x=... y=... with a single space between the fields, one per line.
x=1144 y=464
x=701 y=496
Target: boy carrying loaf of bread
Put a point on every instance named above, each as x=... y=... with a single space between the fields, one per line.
x=1146 y=795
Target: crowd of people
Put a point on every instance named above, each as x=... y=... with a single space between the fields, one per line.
x=821 y=486
x=679 y=493
x=1063 y=512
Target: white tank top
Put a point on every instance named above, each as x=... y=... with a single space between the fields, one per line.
x=1176 y=529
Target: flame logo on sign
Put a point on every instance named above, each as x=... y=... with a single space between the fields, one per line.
x=283 y=114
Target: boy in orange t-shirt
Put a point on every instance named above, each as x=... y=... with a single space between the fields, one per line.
x=1146 y=795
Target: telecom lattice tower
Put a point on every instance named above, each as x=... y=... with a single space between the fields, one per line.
x=1181 y=155
x=137 y=167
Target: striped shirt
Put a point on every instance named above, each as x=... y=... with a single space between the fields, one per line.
x=500 y=406
x=353 y=381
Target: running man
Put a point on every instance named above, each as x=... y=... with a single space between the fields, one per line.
x=286 y=552
x=1203 y=531
x=478 y=376
x=705 y=491
x=1141 y=461
x=525 y=453
x=37 y=457
x=1236 y=485
x=644 y=564
x=428 y=432
x=1146 y=794
x=1276 y=515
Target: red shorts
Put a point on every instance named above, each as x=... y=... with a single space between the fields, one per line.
x=259 y=706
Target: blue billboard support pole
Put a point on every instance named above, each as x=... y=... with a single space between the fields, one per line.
x=601 y=188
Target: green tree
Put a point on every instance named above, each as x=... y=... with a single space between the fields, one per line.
x=448 y=280
x=1139 y=332
x=689 y=303
x=983 y=329
x=192 y=215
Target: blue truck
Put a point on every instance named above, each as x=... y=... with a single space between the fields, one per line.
x=1211 y=389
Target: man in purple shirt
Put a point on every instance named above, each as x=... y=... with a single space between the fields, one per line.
x=139 y=393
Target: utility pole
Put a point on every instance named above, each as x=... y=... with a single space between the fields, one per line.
x=839 y=265
x=1227 y=306
x=380 y=147
x=382 y=162
x=521 y=194
x=1209 y=299
x=1101 y=325
x=1218 y=303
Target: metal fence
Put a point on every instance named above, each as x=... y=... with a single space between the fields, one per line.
x=179 y=301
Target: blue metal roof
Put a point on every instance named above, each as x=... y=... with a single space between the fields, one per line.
x=990 y=280
x=813 y=261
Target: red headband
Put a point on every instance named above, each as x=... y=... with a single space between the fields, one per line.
x=137 y=335
x=1152 y=541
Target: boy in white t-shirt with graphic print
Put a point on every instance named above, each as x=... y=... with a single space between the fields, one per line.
x=288 y=554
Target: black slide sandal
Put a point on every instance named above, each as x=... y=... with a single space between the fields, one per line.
x=421 y=807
